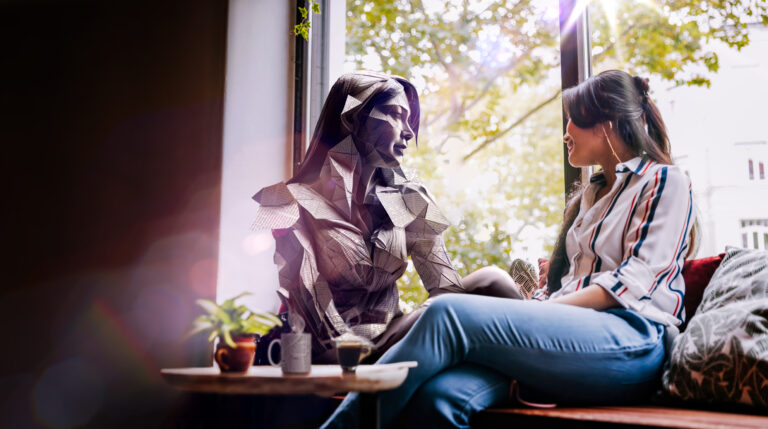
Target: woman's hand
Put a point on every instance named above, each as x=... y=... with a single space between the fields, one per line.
x=543 y=271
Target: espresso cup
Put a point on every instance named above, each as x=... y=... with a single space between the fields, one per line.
x=349 y=354
x=295 y=353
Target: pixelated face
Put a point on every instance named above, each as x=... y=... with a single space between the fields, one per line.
x=386 y=131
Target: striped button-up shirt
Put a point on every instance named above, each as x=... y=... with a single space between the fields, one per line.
x=633 y=241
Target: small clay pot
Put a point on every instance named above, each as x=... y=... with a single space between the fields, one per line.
x=237 y=359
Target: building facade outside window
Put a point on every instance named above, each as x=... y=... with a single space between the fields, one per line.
x=754 y=233
x=715 y=155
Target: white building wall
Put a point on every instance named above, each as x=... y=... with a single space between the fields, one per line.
x=714 y=131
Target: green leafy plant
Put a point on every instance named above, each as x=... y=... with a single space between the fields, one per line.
x=302 y=28
x=227 y=319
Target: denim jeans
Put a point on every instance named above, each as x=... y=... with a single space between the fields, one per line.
x=470 y=347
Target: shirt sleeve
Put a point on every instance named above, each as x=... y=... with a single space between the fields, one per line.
x=541 y=294
x=655 y=242
x=432 y=262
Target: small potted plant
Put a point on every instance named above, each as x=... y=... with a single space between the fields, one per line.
x=236 y=327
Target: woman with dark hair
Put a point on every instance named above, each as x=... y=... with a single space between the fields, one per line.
x=347 y=221
x=615 y=293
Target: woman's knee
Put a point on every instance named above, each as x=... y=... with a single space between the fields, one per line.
x=444 y=305
x=491 y=274
x=492 y=281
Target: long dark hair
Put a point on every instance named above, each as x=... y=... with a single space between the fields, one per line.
x=617 y=97
x=335 y=124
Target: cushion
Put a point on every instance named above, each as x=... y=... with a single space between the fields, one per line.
x=697 y=273
x=722 y=356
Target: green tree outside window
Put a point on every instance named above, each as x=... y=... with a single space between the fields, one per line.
x=490 y=144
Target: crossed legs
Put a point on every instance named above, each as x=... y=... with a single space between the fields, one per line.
x=559 y=353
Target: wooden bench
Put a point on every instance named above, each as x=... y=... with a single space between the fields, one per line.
x=623 y=417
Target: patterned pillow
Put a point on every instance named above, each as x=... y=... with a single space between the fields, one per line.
x=723 y=354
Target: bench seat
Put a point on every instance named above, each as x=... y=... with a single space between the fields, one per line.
x=614 y=416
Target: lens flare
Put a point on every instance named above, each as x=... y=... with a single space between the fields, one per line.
x=576 y=13
x=68 y=394
x=257 y=243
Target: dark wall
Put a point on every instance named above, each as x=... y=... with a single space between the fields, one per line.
x=111 y=131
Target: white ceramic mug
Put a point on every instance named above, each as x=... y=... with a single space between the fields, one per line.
x=295 y=353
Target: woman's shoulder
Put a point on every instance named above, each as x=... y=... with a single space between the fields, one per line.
x=669 y=174
x=280 y=204
x=667 y=182
x=277 y=209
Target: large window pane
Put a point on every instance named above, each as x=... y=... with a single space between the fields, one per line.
x=708 y=65
x=490 y=145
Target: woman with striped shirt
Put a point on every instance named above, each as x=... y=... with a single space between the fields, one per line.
x=614 y=294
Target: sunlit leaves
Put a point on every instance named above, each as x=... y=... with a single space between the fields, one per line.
x=670 y=38
x=302 y=28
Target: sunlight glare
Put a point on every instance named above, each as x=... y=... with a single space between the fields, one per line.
x=578 y=10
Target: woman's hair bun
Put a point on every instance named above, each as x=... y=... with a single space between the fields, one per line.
x=641 y=83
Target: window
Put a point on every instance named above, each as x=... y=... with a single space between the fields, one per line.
x=754 y=233
x=489 y=76
x=490 y=143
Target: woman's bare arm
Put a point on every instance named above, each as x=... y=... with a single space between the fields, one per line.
x=590 y=297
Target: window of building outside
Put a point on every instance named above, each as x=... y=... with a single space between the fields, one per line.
x=710 y=95
x=754 y=233
x=490 y=142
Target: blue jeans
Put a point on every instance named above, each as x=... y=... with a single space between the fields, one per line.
x=470 y=347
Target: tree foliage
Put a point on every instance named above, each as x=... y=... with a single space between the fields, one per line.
x=490 y=145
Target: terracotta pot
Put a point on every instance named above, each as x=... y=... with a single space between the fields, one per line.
x=237 y=359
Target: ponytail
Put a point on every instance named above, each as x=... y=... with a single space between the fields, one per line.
x=659 y=149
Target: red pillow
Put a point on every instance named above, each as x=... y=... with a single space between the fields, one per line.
x=697 y=273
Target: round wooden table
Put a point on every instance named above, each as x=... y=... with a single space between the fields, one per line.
x=324 y=380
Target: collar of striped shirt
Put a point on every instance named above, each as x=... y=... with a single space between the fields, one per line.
x=637 y=165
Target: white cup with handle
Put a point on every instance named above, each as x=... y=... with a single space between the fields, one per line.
x=295 y=353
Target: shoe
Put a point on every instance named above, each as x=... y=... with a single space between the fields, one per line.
x=524 y=275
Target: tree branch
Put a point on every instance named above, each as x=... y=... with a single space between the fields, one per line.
x=520 y=229
x=435 y=118
x=439 y=147
x=439 y=55
x=501 y=71
x=517 y=123
x=540 y=106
